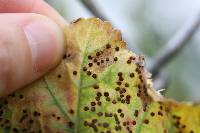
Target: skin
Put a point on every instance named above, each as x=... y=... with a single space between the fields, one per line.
x=31 y=42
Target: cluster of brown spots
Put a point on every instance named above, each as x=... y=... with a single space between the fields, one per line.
x=65 y=56
x=27 y=119
x=89 y=57
x=70 y=124
x=160 y=111
x=56 y=117
x=142 y=87
x=121 y=114
x=136 y=113
x=5 y=122
x=130 y=60
x=26 y=122
x=87 y=69
x=121 y=94
x=36 y=114
x=99 y=53
x=129 y=124
x=92 y=124
x=93 y=104
x=152 y=114
x=13 y=95
x=100 y=60
x=117 y=121
x=98 y=98
x=178 y=125
x=145 y=107
x=108 y=114
x=23 y=117
x=177 y=119
x=124 y=97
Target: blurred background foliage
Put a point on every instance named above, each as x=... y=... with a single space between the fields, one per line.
x=146 y=26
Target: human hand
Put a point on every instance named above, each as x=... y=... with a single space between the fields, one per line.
x=31 y=42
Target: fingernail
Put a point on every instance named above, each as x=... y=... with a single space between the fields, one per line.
x=44 y=38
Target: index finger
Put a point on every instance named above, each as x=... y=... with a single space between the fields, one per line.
x=31 y=6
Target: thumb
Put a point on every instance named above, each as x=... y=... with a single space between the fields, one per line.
x=30 y=45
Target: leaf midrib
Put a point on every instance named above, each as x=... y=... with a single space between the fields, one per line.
x=80 y=83
x=56 y=101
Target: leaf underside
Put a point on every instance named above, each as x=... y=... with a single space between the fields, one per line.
x=99 y=86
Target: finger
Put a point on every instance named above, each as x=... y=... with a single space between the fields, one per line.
x=31 y=6
x=30 y=45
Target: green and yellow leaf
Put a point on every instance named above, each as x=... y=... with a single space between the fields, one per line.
x=99 y=86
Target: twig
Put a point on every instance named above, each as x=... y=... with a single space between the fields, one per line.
x=93 y=9
x=91 y=6
x=161 y=81
x=175 y=45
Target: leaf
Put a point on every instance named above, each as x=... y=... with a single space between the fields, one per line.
x=98 y=87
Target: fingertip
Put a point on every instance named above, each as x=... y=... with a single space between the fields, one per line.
x=46 y=41
x=32 y=6
x=30 y=45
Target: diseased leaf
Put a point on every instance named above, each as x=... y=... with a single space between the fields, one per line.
x=98 y=87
